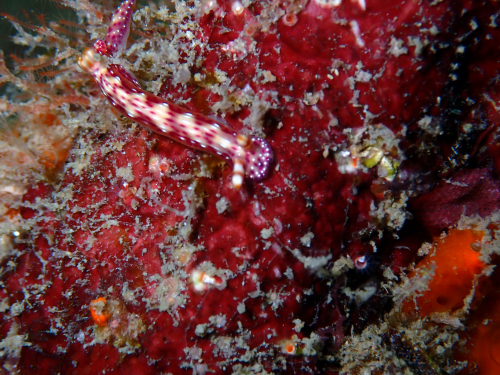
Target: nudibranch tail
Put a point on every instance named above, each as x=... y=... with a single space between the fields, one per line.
x=250 y=156
x=258 y=159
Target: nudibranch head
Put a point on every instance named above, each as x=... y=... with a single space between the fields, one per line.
x=90 y=61
x=258 y=159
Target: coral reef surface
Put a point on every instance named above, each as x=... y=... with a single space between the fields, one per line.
x=369 y=247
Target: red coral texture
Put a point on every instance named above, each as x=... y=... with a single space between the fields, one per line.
x=201 y=278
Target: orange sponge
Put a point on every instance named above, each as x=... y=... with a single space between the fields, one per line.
x=457 y=262
x=97 y=310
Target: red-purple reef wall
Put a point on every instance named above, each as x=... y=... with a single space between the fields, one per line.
x=135 y=254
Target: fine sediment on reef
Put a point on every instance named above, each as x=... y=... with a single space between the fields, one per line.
x=369 y=248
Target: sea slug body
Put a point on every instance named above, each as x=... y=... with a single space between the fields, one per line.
x=250 y=156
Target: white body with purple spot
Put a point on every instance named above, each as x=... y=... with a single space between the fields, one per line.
x=250 y=156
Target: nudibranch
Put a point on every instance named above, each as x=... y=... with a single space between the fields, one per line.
x=250 y=156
